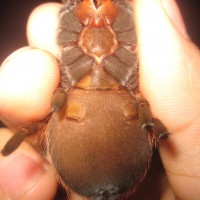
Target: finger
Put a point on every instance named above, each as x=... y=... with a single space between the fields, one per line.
x=24 y=174
x=170 y=80
x=28 y=79
x=167 y=63
x=174 y=14
x=42 y=27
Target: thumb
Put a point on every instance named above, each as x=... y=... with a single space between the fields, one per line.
x=169 y=66
x=170 y=81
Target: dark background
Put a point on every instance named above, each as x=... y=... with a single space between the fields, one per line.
x=14 y=14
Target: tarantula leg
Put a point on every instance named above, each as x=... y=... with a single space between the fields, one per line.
x=58 y=99
x=145 y=117
x=14 y=142
x=151 y=125
x=160 y=130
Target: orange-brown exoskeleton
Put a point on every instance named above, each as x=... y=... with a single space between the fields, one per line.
x=100 y=135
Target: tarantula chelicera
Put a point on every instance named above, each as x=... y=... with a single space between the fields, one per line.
x=101 y=132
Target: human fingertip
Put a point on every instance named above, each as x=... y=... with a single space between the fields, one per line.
x=28 y=79
x=45 y=19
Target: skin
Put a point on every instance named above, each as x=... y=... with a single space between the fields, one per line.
x=169 y=66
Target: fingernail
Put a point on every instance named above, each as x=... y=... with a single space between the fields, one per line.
x=18 y=174
x=174 y=13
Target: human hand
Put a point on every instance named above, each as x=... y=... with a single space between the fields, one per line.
x=170 y=81
x=28 y=79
